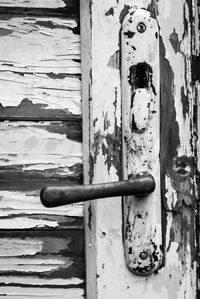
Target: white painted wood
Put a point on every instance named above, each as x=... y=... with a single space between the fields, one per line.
x=31 y=148
x=36 y=281
x=141 y=134
x=61 y=293
x=40 y=89
x=33 y=3
x=47 y=71
x=46 y=45
x=102 y=94
x=41 y=250
x=38 y=146
x=16 y=203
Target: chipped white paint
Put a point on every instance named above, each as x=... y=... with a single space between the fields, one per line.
x=45 y=49
x=33 y=3
x=41 y=89
x=171 y=19
x=24 y=293
x=19 y=247
x=141 y=133
x=26 y=223
x=35 y=145
x=27 y=202
x=44 y=74
x=103 y=223
x=39 y=71
x=31 y=147
x=141 y=109
x=170 y=194
x=41 y=282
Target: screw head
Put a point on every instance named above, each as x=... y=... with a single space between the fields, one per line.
x=143 y=255
x=141 y=27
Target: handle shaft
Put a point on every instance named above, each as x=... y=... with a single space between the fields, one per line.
x=57 y=196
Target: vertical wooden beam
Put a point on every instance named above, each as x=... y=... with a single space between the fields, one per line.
x=89 y=208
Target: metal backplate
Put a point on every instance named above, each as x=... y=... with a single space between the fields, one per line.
x=141 y=133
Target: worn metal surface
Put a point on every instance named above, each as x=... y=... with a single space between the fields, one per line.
x=140 y=78
x=41 y=250
x=179 y=48
x=141 y=184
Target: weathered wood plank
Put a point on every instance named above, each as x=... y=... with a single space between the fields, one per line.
x=47 y=242
x=31 y=293
x=27 y=95
x=47 y=45
x=23 y=210
x=47 y=75
x=42 y=254
x=49 y=8
x=42 y=263
x=37 y=147
x=34 y=155
x=38 y=3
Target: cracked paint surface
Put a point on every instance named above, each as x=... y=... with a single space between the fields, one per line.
x=179 y=65
x=41 y=250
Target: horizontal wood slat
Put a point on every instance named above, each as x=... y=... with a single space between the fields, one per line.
x=38 y=150
x=48 y=8
x=23 y=210
x=40 y=3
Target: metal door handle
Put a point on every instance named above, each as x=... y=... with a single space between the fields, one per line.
x=140 y=185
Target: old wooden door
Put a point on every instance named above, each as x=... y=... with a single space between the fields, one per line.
x=41 y=250
x=178 y=93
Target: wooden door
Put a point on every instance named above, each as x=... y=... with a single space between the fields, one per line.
x=41 y=250
x=107 y=273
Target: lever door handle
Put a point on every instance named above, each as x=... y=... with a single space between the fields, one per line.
x=140 y=185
